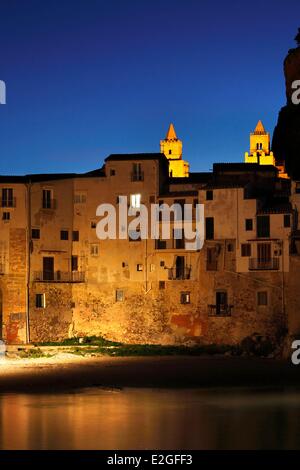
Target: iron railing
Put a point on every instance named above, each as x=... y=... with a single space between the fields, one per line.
x=59 y=276
x=256 y=264
x=220 y=310
x=179 y=274
x=137 y=176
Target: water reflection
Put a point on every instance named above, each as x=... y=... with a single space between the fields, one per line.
x=154 y=419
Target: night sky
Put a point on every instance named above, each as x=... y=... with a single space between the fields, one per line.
x=88 y=78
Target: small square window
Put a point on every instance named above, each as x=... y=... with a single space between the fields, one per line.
x=246 y=249
x=287 y=220
x=40 y=301
x=75 y=236
x=262 y=298
x=35 y=233
x=162 y=263
x=112 y=172
x=94 y=249
x=6 y=216
x=139 y=267
x=119 y=295
x=249 y=224
x=124 y=264
x=160 y=244
x=162 y=285
x=185 y=297
x=64 y=235
x=93 y=224
x=209 y=195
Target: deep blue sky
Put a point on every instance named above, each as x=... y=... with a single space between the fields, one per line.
x=86 y=78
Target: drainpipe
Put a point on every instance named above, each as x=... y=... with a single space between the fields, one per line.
x=28 y=194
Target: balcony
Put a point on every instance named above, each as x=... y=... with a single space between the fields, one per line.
x=179 y=274
x=220 y=310
x=256 y=264
x=11 y=202
x=59 y=276
x=137 y=176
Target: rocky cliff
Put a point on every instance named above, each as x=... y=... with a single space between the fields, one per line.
x=286 y=138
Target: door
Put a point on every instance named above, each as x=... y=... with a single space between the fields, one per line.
x=221 y=303
x=48 y=268
x=264 y=254
x=180 y=267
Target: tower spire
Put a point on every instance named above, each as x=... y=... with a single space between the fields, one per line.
x=171 y=134
x=259 y=128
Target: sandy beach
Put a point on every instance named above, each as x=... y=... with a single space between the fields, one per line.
x=65 y=372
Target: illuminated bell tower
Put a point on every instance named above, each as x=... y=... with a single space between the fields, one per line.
x=171 y=147
x=260 y=149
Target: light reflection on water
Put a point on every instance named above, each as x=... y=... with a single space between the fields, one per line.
x=153 y=419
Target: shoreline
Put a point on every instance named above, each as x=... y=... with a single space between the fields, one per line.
x=67 y=372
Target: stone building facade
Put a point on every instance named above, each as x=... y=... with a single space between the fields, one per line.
x=58 y=280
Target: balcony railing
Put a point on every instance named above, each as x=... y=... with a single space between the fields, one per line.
x=256 y=264
x=11 y=202
x=221 y=310
x=59 y=276
x=179 y=274
x=137 y=176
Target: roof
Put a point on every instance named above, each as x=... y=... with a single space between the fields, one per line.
x=136 y=156
x=259 y=128
x=201 y=177
x=245 y=167
x=39 y=177
x=171 y=134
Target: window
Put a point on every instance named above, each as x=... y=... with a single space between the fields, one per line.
x=209 y=195
x=93 y=224
x=286 y=220
x=262 y=298
x=160 y=244
x=139 y=267
x=209 y=228
x=170 y=152
x=211 y=259
x=161 y=285
x=75 y=236
x=248 y=224
x=35 y=233
x=124 y=264
x=64 y=235
x=119 y=295
x=40 y=301
x=230 y=247
x=80 y=198
x=74 y=263
x=259 y=146
x=134 y=236
x=162 y=264
x=135 y=201
x=112 y=172
x=94 y=249
x=47 y=199
x=7 y=197
x=137 y=174
x=178 y=239
x=6 y=216
x=263 y=226
x=48 y=268
x=263 y=254
x=246 y=249
x=185 y=297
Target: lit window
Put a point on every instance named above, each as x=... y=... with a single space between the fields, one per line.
x=135 y=201
x=185 y=297
x=40 y=301
x=139 y=267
